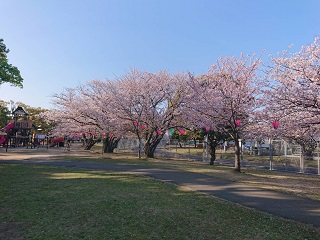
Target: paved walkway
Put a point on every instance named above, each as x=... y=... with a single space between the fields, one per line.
x=277 y=203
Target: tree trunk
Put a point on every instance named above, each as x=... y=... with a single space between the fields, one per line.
x=213 y=143
x=109 y=144
x=89 y=144
x=149 y=152
x=212 y=154
x=139 y=150
x=150 y=147
x=237 y=156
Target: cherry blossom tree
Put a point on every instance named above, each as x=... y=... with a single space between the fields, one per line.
x=289 y=126
x=295 y=81
x=111 y=130
x=292 y=97
x=275 y=121
x=68 y=117
x=83 y=110
x=149 y=103
x=201 y=111
x=145 y=104
x=227 y=97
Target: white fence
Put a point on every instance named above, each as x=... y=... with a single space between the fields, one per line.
x=279 y=155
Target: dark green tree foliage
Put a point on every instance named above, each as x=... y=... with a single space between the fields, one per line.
x=8 y=72
x=4 y=114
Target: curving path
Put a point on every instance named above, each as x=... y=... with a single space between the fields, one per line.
x=277 y=203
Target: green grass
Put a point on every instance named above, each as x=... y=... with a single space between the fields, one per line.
x=40 y=202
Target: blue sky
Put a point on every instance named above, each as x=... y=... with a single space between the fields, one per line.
x=58 y=44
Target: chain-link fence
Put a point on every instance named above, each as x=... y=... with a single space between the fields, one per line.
x=284 y=156
x=275 y=155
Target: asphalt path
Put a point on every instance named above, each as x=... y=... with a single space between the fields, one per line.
x=273 y=202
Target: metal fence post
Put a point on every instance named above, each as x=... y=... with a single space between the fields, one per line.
x=270 y=154
x=318 y=157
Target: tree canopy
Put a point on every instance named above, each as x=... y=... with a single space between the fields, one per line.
x=234 y=99
x=4 y=114
x=8 y=73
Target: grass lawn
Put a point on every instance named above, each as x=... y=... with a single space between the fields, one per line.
x=40 y=202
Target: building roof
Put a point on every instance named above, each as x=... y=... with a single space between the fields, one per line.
x=20 y=110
